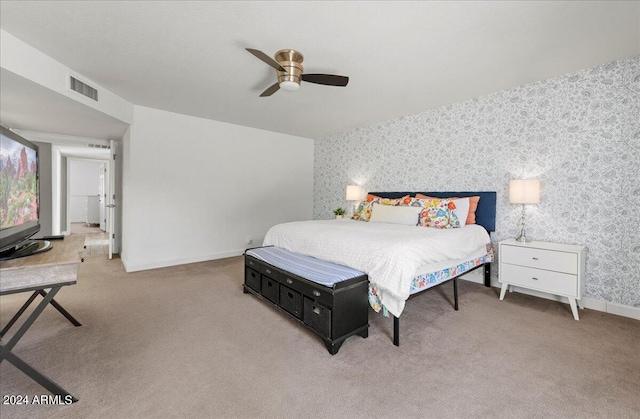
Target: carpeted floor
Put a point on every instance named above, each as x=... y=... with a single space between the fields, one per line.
x=186 y=342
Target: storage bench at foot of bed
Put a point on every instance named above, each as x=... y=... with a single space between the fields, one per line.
x=334 y=312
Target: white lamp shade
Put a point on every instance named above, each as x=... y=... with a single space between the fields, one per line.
x=354 y=192
x=524 y=191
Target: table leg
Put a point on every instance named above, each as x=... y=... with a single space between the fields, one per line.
x=54 y=303
x=39 y=378
x=61 y=309
x=5 y=350
x=32 y=318
x=18 y=314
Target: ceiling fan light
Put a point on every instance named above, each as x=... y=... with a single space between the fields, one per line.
x=289 y=86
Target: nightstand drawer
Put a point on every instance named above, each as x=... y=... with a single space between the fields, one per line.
x=539 y=279
x=540 y=258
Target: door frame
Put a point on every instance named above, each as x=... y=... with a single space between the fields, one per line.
x=67 y=198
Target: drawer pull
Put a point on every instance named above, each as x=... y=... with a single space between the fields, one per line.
x=315 y=310
x=268 y=271
x=269 y=283
x=534 y=278
x=316 y=293
x=289 y=281
x=251 y=263
x=290 y=295
x=534 y=258
x=253 y=274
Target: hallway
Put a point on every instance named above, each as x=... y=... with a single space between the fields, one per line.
x=96 y=242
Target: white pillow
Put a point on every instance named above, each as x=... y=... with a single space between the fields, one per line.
x=404 y=215
x=462 y=210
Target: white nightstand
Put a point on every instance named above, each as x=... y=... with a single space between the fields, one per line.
x=548 y=267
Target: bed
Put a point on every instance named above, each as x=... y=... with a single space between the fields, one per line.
x=400 y=260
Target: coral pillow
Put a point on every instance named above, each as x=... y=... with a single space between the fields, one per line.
x=473 y=206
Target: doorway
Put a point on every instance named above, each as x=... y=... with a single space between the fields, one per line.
x=96 y=240
x=87 y=185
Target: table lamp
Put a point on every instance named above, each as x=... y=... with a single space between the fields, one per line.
x=354 y=193
x=524 y=191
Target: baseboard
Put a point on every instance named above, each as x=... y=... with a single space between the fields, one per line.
x=622 y=310
x=182 y=261
x=590 y=303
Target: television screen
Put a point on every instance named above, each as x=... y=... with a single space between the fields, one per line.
x=19 y=195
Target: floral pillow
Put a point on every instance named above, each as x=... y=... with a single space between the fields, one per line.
x=436 y=213
x=363 y=212
x=473 y=206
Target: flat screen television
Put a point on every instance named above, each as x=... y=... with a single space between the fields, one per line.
x=19 y=196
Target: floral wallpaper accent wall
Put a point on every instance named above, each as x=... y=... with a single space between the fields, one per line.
x=579 y=134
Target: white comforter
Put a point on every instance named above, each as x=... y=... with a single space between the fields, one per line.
x=390 y=254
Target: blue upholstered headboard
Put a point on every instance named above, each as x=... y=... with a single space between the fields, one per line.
x=485 y=214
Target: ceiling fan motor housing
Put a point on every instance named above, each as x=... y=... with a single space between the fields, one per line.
x=291 y=61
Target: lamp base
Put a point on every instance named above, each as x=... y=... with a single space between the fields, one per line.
x=523 y=239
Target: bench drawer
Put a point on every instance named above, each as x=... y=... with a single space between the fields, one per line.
x=252 y=263
x=291 y=301
x=316 y=291
x=252 y=279
x=262 y=267
x=269 y=289
x=317 y=316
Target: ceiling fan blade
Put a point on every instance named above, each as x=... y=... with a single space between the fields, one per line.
x=264 y=57
x=271 y=90
x=327 y=79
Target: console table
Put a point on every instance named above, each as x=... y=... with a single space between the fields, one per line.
x=50 y=271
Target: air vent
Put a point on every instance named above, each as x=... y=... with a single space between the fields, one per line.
x=98 y=146
x=82 y=88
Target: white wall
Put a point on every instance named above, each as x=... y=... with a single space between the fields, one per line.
x=26 y=61
x=195 y=189
x=578 y=134
x=84 y=177
x=46 y=192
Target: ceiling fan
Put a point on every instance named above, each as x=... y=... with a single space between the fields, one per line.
x=288 y=66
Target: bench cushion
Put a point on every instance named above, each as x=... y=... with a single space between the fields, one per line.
x=307 y=267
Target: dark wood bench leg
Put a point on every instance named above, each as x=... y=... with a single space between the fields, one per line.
x=333 y=347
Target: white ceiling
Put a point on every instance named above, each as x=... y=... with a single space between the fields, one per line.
x=29 y=106
x=402 y=57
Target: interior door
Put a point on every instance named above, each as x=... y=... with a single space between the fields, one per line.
x=102 y=195
x=111 y=201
